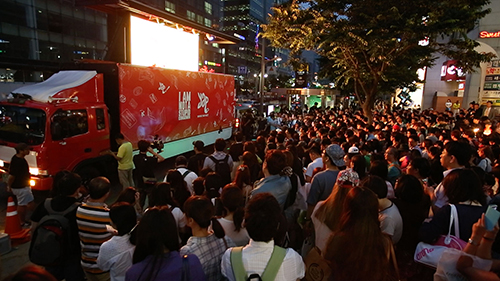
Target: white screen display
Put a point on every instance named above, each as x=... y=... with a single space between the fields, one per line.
x=154 y=44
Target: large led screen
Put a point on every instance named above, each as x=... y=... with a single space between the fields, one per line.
x=154 y=44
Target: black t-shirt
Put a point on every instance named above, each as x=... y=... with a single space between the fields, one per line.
x=195 y=162
x=144 y=166
x=60 y=204
x=20 y=170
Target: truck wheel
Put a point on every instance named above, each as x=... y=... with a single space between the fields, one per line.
x=88 y=173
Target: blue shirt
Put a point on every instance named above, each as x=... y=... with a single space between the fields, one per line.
x=278 y=186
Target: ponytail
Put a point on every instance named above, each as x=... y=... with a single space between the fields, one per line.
x=238 y=218
x=217 y=228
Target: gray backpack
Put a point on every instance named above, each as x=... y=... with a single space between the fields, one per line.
x=51 y=238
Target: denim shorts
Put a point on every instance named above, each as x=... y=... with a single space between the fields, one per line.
x=24 y=195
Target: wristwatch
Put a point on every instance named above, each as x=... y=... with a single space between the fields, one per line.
x=472 y=242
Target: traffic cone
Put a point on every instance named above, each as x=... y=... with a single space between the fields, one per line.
x=13 y=224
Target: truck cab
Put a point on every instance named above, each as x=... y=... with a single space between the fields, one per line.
x=64 y=121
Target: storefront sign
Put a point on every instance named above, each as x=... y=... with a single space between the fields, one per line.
x=492 y=78
x=450 y=72
x=486 y=34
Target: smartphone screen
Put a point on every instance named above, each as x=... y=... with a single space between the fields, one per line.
x=491 y=217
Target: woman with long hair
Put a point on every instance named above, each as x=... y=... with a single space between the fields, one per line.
x=207 y=245
x=326 y=214
x=250 y=160
x=359 y=250
x=232 y=219
x=179 y=187
x=242 y=180
x=161 y=195
x=156 y=255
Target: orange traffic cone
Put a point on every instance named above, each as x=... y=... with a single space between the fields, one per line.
x=13 y=224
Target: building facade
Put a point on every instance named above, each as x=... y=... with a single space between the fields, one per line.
x=479 y=86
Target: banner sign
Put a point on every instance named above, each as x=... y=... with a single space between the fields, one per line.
x=166 y=104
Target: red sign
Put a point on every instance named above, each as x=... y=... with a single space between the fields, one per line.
x=486 y=34
x=173 y=104
x=450 y=72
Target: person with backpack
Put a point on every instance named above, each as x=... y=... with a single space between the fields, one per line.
x=220 y=162
x=188 y=175
x=58 y=251
x=261 y=258
x=195 y=162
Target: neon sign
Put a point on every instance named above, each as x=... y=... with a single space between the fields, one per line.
x=486 y=34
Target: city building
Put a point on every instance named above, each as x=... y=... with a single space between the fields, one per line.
x=446 y=81
x=37 y=37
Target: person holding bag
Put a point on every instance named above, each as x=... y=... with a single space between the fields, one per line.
x=467 y=202
x=463 y=189
x=474 y=263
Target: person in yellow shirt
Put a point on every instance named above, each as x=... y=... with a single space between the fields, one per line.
x=125 y=162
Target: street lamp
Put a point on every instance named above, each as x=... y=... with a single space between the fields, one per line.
x=263 y=62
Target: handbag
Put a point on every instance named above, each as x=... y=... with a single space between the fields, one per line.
x=429 y=254
x=317 y=268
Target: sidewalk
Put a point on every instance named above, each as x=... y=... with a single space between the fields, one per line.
x=14 y=260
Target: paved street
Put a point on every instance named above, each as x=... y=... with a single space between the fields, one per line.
x=18 y=257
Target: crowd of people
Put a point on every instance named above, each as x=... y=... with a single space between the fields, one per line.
x=361 y=194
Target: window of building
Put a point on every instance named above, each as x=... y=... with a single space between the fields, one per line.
x=208 y=22
x=191 y=15
x=170 y=7
x=208 y=8
x=199 y=19
x=69 y=123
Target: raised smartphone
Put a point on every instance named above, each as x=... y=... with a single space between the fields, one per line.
x=491 y=217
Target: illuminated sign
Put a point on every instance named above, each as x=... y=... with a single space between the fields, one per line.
x=450 y=72
x=486 y=34
x=154 y=44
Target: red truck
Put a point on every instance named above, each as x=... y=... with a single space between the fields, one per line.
x=70 y=119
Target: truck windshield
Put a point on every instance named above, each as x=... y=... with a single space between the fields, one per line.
x=21 y=124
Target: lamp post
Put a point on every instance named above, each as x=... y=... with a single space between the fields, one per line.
x=263 y=62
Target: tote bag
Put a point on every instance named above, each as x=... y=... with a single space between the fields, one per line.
x=429 y=254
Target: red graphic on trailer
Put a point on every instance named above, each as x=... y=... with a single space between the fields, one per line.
x=173 y=104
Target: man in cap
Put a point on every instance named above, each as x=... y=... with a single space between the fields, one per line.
x=18 y=182
x=196 y=161
x=323 y=182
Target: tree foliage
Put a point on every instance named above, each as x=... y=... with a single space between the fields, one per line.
x=372 y=46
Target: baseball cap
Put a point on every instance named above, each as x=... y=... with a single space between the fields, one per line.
x=396 y=127
x=348 y=178
x=336 y=154
x=353 y=150
x=199 y=144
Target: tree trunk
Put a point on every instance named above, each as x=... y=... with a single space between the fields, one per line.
x=368 y=106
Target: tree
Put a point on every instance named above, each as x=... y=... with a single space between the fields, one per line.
x=374 y=47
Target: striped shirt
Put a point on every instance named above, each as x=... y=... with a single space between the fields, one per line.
x=92 y=218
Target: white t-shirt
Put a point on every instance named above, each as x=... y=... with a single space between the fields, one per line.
x=255 y=257
x=316 y=163
x=115 y=256
x=391 y=222
x=240 y=238
x=189 y=178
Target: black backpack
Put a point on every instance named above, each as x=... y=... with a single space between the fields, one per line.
x=222 y=169
x=51 y=238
